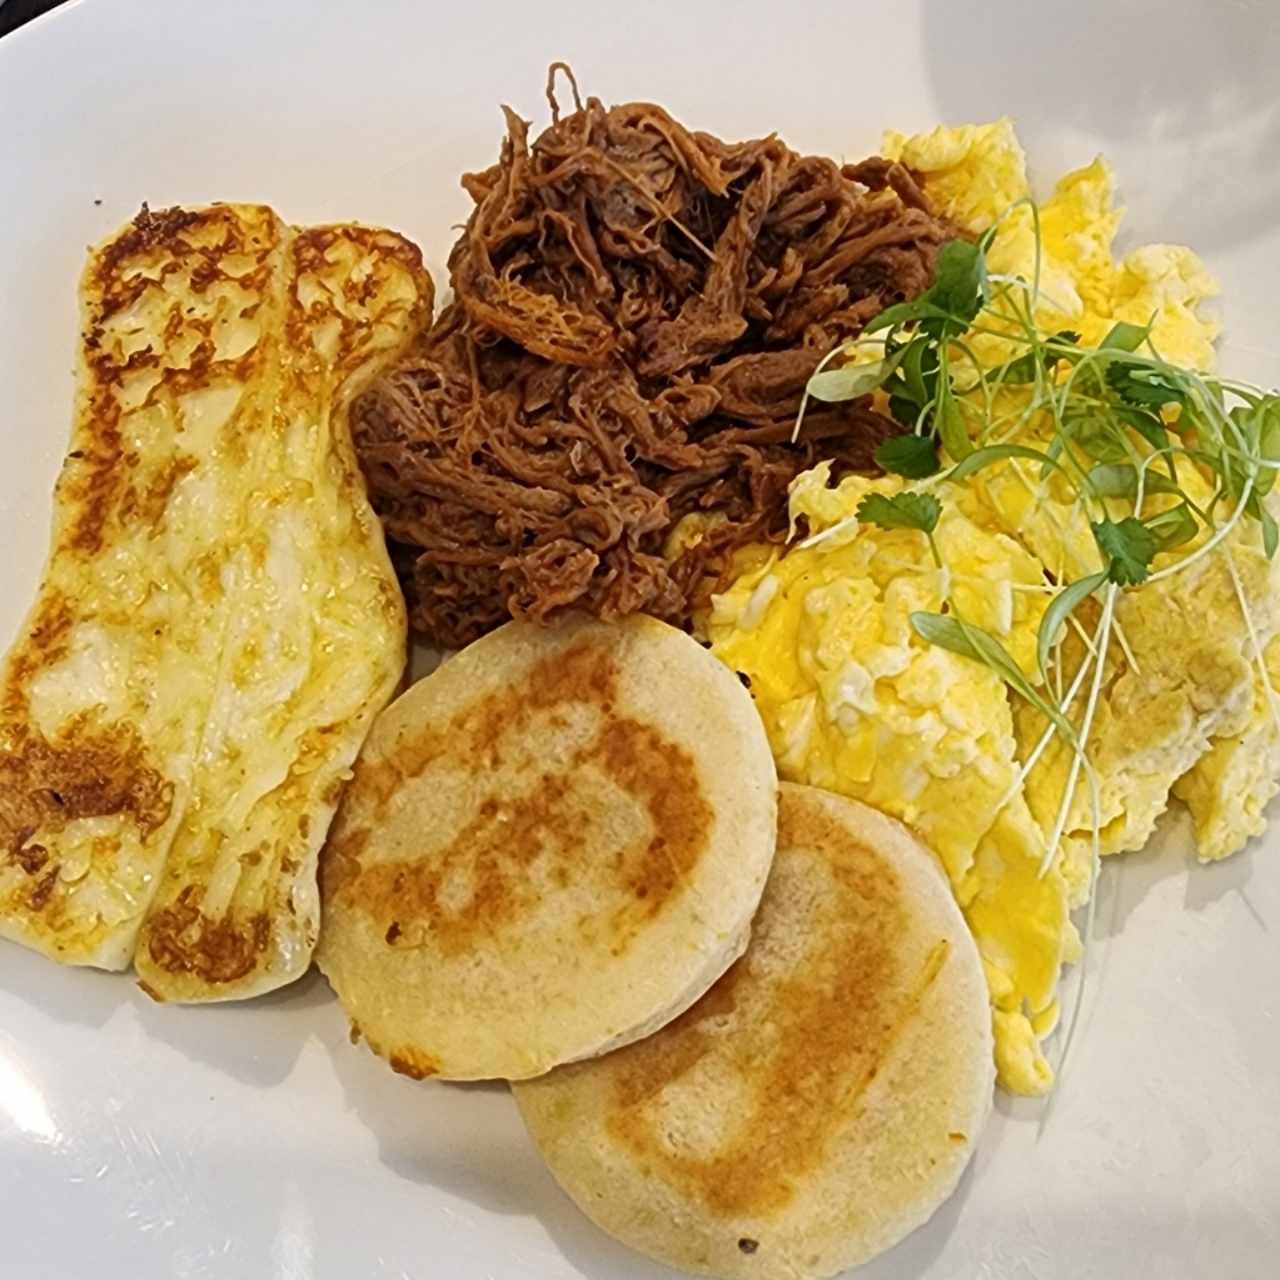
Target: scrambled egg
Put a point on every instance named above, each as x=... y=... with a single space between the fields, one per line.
x=854 y=701
x=1185 y=689
x=1233 y=782
x=977 y=173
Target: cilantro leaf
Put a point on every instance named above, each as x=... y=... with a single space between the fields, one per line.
x=980 y=459
x=1101 y=432
x=904 y=412
x=850 y=381
x=1270 y=534
x=1129 y=547
x=1060 y=609
x=1148 y=425
x=912 y=456
x=912 y=312
x=959 y=280
x=919 y=371
x=949 y=305
x=904 y=510
x=1254 y=440
x=1017 y=372
x=1268 y=411
x=1099 y=437
x=1259 y=426
x=914 y=383
x=949 y=420
x=1144 y=385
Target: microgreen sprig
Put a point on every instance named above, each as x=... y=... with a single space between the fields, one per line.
x=1114 y=426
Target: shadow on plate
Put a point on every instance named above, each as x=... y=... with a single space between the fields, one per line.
x=1186 y=89
x=1209 y=884
x=1128 y=878
x=463 y=1138
x=468 y=1140
x=79 y=997
x=255 y=1041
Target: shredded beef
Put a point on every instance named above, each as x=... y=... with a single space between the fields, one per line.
x=637 y=309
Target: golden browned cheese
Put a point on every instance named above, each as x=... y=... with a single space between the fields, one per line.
x=218 y=621
x=551 y=845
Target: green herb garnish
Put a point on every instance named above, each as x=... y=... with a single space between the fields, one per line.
x=1063 y=605
x=1113 y=425
x=950 y=632
x=904 y=510
x=1129 y=546
x=914 y=457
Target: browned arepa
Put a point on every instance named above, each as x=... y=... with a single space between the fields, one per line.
x=822 y=1099
x=552 y=846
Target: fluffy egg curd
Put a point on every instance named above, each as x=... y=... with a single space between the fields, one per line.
x=856 y=701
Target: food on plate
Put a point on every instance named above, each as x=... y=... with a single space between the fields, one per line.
x=606 y=409
x=552 y=846
x=857 y=703
x=822 y=1099
x=1231 y=784
x=218 y=621
x=1077 y=482
x=977 y=545
x=1190 y=686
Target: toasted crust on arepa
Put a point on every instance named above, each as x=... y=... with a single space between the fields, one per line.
x=552 y=845
x=822 y=1099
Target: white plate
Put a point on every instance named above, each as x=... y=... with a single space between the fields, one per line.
x=254 y=1141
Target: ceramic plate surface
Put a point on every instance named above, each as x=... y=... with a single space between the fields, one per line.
x=253 y=1141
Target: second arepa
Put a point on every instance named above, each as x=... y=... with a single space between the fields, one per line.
x=551 y=847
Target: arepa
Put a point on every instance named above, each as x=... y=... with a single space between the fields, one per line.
x=552 y=845
x=822 y=1099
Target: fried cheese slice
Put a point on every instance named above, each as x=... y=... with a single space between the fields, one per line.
x=218 y=621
